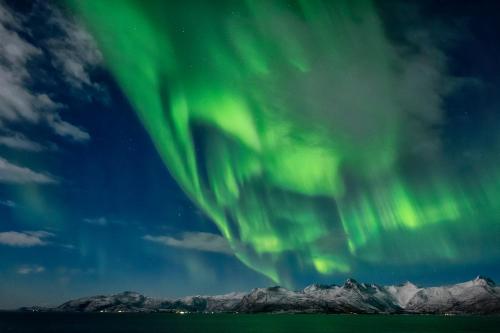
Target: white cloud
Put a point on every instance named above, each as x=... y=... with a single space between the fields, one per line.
x=201 y=241
x=16 y=140
x=16 y=101
x=30 y=269
x=19 y=103
x=101 y=221
x=25 y=238
x=65 y=129
x=68 y=246
x=39 y=233
x=75 y=51
x=14 y=174
x=8 y=203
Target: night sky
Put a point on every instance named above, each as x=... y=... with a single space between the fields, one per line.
x=203 y=147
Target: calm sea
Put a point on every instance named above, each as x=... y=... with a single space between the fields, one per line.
x=261 y=323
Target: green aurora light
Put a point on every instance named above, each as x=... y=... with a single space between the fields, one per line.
x=288 y=122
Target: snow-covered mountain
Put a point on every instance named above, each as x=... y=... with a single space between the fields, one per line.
x=403 y=293
x=478 y=296
x=127 y=302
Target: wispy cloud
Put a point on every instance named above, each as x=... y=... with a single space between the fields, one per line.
x=16 y=100
x=19 y=141
x=8 y=203
x=70 y=56
x=15 y=174
x=65 y=129
x=74 y=50
x=25 y=238
x=71 y=53
x=30 y=269
x=101 y=221
x=201 y=241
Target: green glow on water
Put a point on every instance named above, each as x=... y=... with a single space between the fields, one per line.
x=282 y=323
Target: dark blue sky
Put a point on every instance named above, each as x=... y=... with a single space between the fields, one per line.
x=85 y=198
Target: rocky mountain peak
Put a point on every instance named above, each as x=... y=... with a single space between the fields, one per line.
x=351 y=283
x=484 y=281
x=315 y=287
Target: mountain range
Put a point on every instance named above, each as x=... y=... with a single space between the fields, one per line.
x=478 y=296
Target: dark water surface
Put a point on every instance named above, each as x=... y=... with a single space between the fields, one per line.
x=261 y=323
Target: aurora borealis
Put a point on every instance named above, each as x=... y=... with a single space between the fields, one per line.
x=307 y=132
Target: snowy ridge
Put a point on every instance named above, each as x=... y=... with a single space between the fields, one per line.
x=403 y=293
x=478 y=296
